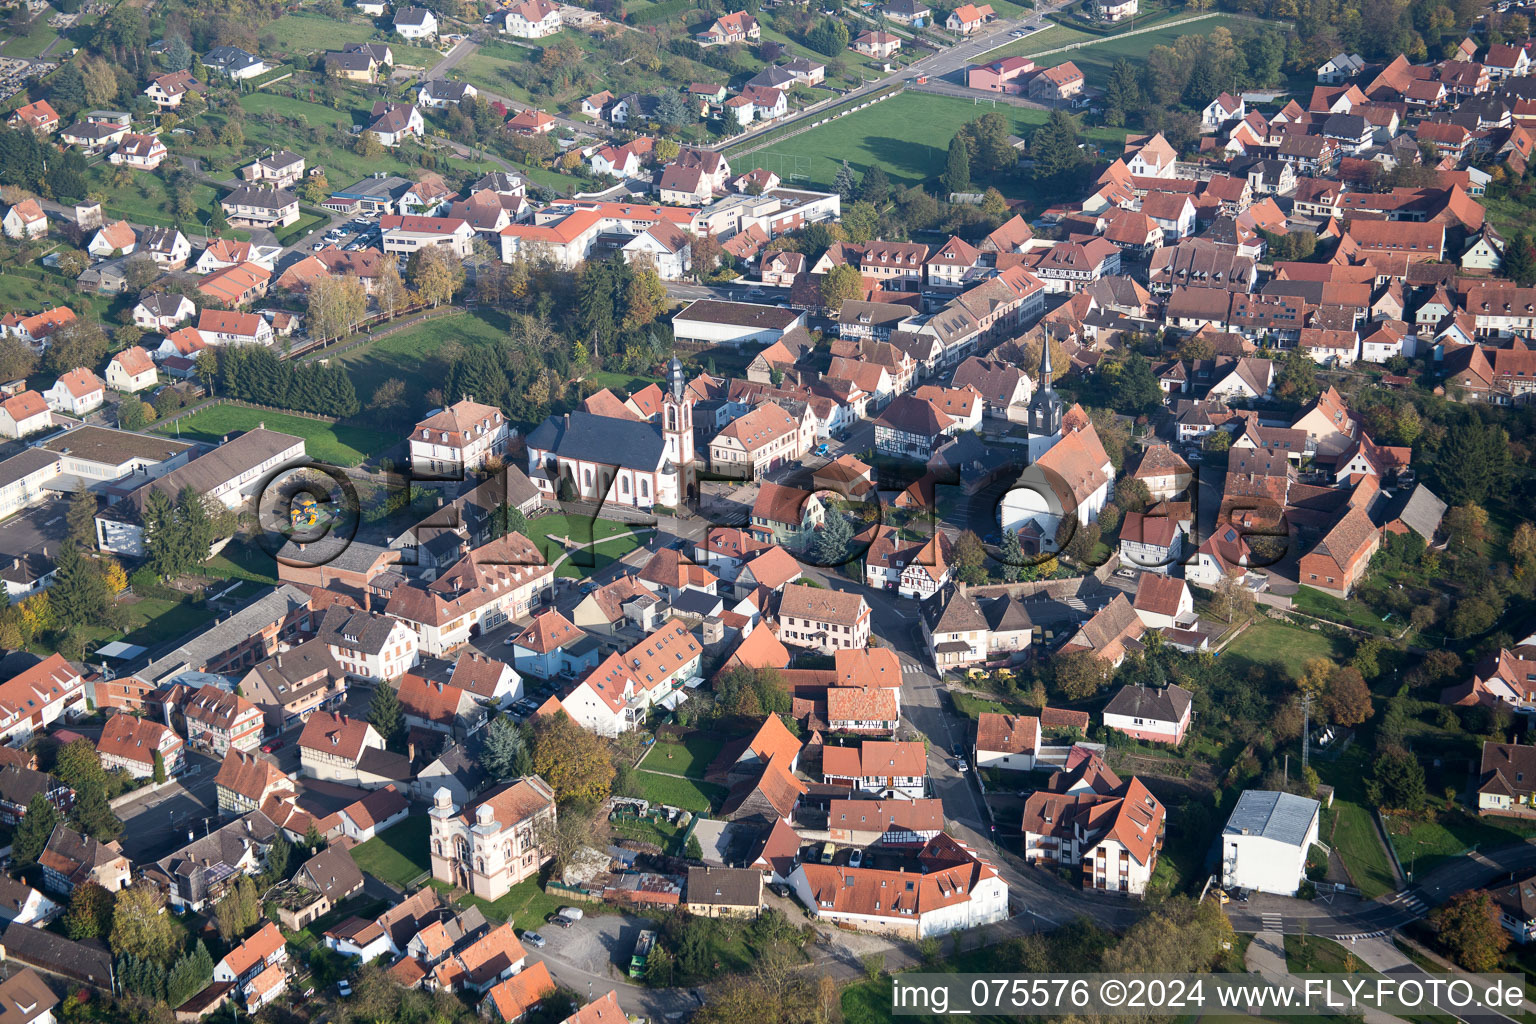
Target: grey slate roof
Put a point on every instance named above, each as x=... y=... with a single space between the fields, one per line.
x=273 y=606
x=1419 y=509
x=601 y=439
x=1165 y=705
x=1283 y=817
x=88 y=962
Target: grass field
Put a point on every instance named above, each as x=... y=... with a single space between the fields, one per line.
x=39 y=35
x=908 y=136
x=699 y=797
x=1353 y=613
x=304 y=33
x=147 y=201
x=1422 y=844
x=408 y=355
x=398 y=855
x=151 y=622
x=243 y=559
x=577 y=528
x=335 y=443
x=1096 y=59
x=1271 y=642
x=582 y=564
x=690 y=757
x=287 y=106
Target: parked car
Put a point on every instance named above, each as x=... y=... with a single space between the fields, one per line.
x=535 y=940
x=961 y=766
x=344 y=988
x=856 y=858
x=272 y=747
x=589 y=586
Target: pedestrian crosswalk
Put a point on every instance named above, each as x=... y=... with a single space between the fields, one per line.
x=1273 y=922
x=1410 y=901
x=1356 y=936
x=915 y=670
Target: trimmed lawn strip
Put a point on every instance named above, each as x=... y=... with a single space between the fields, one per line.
x=690 y=795
x=1308 y=954
x=335 y=443
x=692 y=757
x=1359 y=846
x=398 y=855
x=242 y=559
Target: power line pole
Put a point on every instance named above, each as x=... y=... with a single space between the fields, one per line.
x=1306 y=729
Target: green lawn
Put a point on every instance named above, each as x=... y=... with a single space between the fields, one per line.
x=243 y=559
x=1358 y=845
x=1352 y=613
x=151 y=622
x=699 y=797
x=409 y=356
x=692 y=757
x=1308 y=954
x=526 y=905
x=584 y=563
x=39 y=35
x=335 y=443
x=1096 y=59
x=972 y=706
x=1423 y=844
x=302 y=226
x=146 y=200
x=399 y=855
x=1272 y=642
x=308 y=33
x=908 y=136
x=580 y=529
x=646 y=831
x=287 y=106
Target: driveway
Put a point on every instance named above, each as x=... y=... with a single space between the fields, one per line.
x=161 y=822
x=591 y=958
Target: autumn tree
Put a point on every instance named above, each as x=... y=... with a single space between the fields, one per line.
x=575 y=762
x=839 y=285
x=436 y=274
x=969 y=559
x=1469 y=929
x=1346 y=698
x=388 y=398
x=90 y=911
x=141 y=927
x=1080 y=674
x=238 y=911
x=389 y=291
x=336 y=305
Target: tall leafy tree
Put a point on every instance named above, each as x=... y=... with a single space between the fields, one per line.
x=385 y=713
x=178 y=57
x=845 y=185
x=957 y=168
x=831 y=547
x=33 y=832
x=140 y=926
x=1468 y=926
x=90 y=911
x=1012 y=556
x=79 y=592
x=505 y=753
x=875 y=188
x=1472 y=462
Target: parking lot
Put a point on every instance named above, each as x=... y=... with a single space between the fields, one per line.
x=39 y=527
x=350 y=236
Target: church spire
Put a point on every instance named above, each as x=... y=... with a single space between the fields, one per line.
x=675 y=373
x=1045 y=363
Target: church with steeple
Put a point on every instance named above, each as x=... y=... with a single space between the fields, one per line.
x=1045 y=409
x=637 y=452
